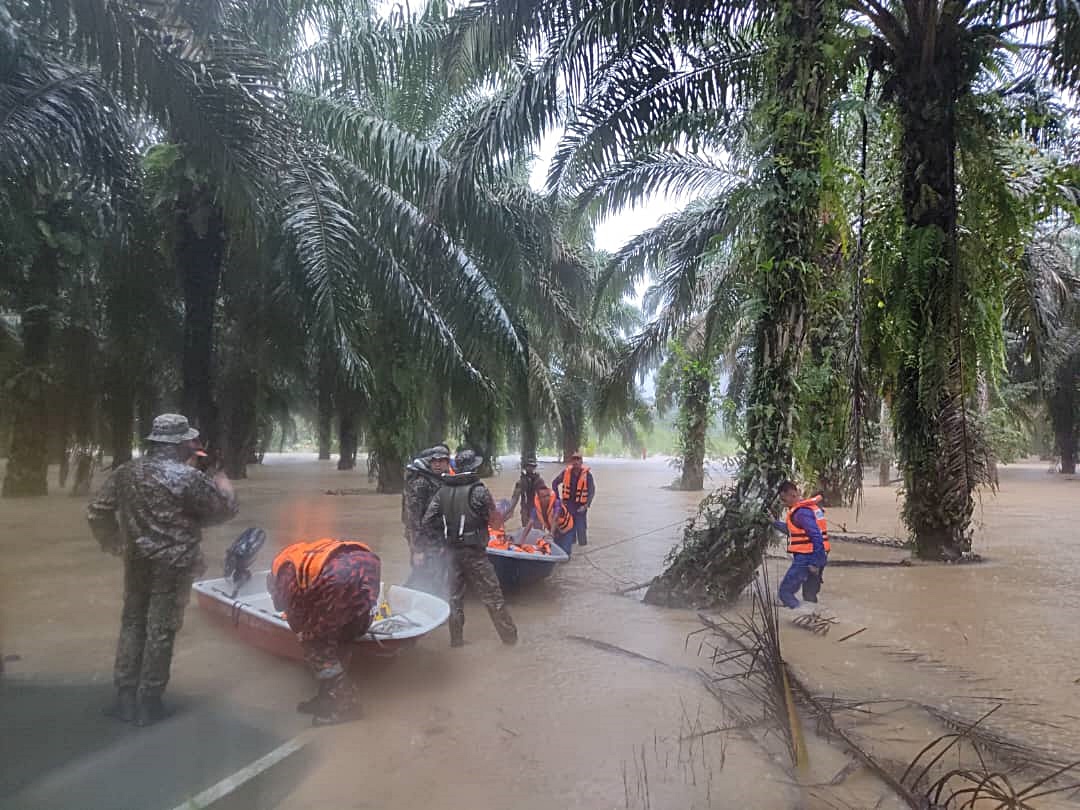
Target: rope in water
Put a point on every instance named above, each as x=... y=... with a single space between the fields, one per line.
x=619 y=580
x=636 y=536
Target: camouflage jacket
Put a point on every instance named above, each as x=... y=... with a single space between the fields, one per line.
x=155 y=508
x=481 y=506
x=421 y=484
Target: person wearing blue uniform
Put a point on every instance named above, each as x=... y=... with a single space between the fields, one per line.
x=808 y=544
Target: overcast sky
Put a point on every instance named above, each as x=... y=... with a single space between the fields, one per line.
x=613 y=232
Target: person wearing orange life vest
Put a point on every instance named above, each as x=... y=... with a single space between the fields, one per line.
x=808 y=544
x=576 y=489
x=327 y=589
x=549 y=512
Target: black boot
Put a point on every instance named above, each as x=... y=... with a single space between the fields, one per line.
x=311 y=706
x=336 y=703
x=457 y=633
x=149 y=710
x=123 y=708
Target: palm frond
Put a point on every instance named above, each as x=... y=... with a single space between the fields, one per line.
x=54 y=116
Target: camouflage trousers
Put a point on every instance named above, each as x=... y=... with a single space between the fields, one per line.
x=155 y=596
x=328 y=659
x=471 y=569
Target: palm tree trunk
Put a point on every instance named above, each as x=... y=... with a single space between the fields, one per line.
x=529 y=439
x=120 y=413
x=694 y=423
x=347 y=440
x=984 y=413
x=28 y=458
x=199 y=255
x=572 y=427
x=238 y=433
x=885 y=462
x=327 y=382
x=1064 y=412
x=723 y=547
x=935 y=437
x=437 y=419
x=391 y=472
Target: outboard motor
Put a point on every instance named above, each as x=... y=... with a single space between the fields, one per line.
x=240 y=557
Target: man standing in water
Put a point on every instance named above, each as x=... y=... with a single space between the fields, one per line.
x=461 y=512
x=808 y=545
x=423 y=477
x=152 y=511
x=528 y=484
x=576 y=489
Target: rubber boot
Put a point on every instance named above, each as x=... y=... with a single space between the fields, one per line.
x=504 y=625
x=149 y=710
x=123 y=708
x=312 y=705
x=334 y=709
x=457 y=632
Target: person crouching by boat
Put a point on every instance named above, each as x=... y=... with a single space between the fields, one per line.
x=327 y=589
x=463 y=511
x=551 y=514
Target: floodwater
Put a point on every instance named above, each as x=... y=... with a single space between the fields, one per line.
x=559 y=722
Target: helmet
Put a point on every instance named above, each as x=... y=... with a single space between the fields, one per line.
x=438 y=451
x=467 y=461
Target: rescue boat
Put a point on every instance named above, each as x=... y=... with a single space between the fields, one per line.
x=247 y=613
x=516 y=568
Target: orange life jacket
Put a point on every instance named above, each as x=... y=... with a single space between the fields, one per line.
x=309 y=558
x=560 y=524
x=497 y=539
x=798 y=540
x=580 y=495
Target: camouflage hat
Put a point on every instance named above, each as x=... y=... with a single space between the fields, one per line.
x=467 y=461
x=172 y=428
x=529 y=460
x=438 y=451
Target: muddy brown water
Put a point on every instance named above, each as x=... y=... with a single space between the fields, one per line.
x=556 y=722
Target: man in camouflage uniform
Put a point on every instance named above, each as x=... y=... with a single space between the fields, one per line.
x=460 y=513
x=528 y=484
x=423 y=477
x=151 y=511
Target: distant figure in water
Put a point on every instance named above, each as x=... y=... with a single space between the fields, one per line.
x=152 y=511
x=327 y=589
x=808 y=545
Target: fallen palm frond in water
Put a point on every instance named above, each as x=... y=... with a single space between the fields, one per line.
x=905 y=563
x=1000 y=745
x=814 y=622
x=962 y=787
x=870 y=540
x=751 y=661
x=615 y=648
x=763 y=674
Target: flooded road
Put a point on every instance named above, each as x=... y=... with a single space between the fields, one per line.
x=557 y=721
